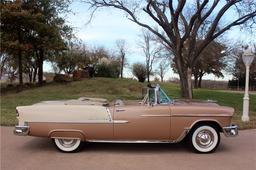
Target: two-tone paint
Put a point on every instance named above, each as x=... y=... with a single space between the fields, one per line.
x=166 y=122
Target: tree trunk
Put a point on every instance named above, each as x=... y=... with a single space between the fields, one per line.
x=34 y=74
x=40 y=67
x=189 y=80
x=20 y=68
x=148 y=76
x=186 y=84
x=20 y=63
x=2 y=66
x=30 y=75
x=200 y=81
x=122 y=66
x=147 y=72
x=185 y=74
x=196 y=81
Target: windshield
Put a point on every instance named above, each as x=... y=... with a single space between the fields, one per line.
x=156 y=96
x=163 y=98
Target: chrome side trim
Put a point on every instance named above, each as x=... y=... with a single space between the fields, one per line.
x=182 y=136
x=198 y=115
x=89 y=122
x=120 y=121
x=65 y=130
x=204 y=120
x=230 y=131
x=120 y=110
x=64 y=138
x=128 y=141
x=165 y=115
x=21 y=130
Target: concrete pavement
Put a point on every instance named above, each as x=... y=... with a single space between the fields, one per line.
x=31 y=153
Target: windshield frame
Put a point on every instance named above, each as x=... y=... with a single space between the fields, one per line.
x=156 y=94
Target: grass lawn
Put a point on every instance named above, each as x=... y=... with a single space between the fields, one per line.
x=112 y=89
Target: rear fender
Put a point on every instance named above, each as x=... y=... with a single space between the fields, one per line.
x=67 y=133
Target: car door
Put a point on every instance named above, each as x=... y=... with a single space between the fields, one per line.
x=142 y=122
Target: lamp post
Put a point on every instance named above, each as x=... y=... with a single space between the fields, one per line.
x=248 y=57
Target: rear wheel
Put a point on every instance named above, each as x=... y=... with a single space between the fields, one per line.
x=204 y=139
x=67 y=145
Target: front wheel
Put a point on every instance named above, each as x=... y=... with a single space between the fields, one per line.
x=67 y=145
x=204 y=139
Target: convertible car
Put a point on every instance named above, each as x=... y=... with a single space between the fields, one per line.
x=156 y=118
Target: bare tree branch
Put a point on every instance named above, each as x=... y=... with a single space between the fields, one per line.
x=179 y=32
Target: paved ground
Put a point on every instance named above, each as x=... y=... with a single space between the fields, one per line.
x=29 y=153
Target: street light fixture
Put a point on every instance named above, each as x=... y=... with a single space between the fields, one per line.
x=248 y=57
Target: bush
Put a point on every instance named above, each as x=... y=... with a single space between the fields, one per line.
x=108 y=70
x=139 y=71
x=61 y=78
x=77 y=75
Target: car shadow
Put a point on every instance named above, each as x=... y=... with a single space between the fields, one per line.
x=44 y=144
x=135 y=147
x=39 y=144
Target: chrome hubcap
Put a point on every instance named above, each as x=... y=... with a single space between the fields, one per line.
x=204 y=138
x=67 y=142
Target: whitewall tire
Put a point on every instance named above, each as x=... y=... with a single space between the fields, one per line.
x=204 y=139
x=67 y=145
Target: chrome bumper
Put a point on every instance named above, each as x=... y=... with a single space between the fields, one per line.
x=231 y=130
x=21 y=130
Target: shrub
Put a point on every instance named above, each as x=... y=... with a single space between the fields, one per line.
x=61 y=78
x=139 y=71
x=108 y=70
x=77 y=75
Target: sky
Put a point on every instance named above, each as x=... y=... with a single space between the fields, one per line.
x=109 y=25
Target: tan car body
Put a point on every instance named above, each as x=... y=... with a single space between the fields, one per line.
x=128 y=123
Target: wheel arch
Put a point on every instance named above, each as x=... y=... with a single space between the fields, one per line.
x=67 y=133
x=213 y=123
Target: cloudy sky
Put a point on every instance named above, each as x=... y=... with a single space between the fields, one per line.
x=109 y=25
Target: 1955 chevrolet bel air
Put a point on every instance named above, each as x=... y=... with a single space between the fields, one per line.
x=156 y=118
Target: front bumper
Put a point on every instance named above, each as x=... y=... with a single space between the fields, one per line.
x=231 y=130
x=21 y=130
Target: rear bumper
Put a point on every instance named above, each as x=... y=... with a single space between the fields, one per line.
x=21 y=130
x=231 y=130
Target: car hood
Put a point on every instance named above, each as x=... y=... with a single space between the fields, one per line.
x=196 y=102
x=200 y=108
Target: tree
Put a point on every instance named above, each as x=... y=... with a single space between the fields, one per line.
x=3 y=63
x=211 y=61
x=8 y=66
x=178 y=32
x=238 y=73
x=150 y=49
x=30 y=29
x=15 y=21
x=139 y=71
x=162 y=68
x=121 y=46
x=50 y=30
